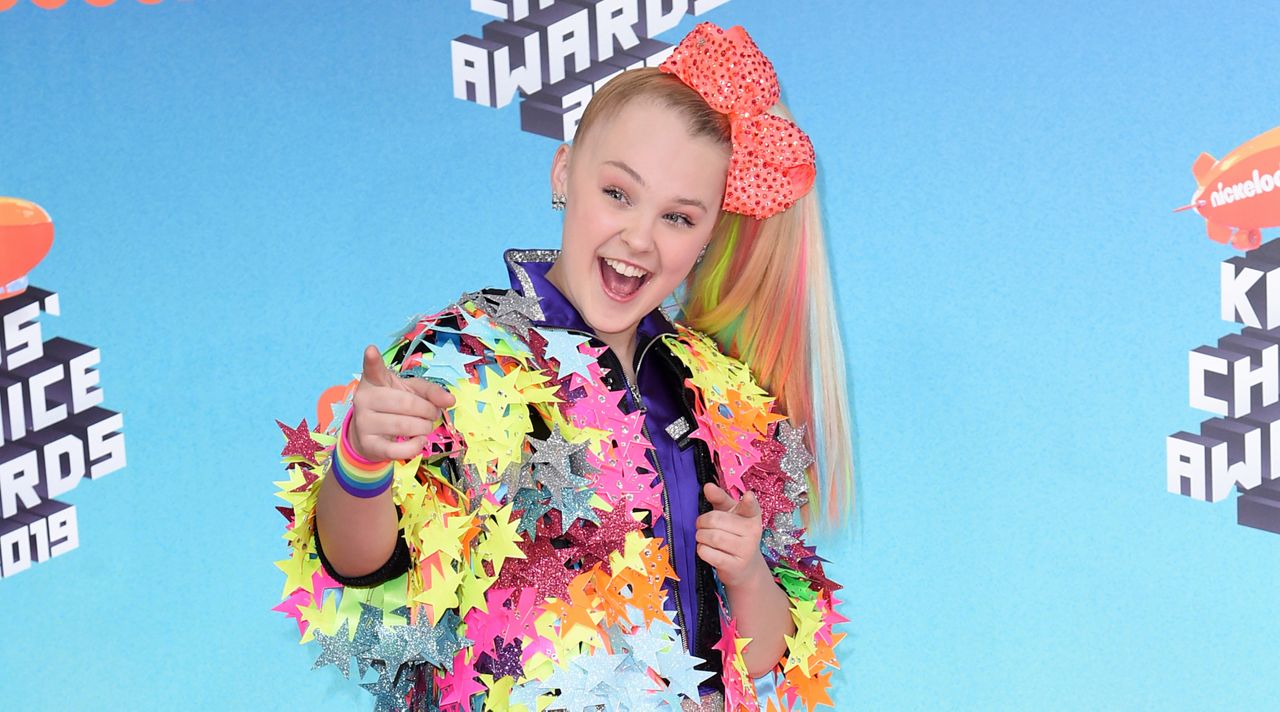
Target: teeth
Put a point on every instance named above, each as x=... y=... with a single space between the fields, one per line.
x=625 y=269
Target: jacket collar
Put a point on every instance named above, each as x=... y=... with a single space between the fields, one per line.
x=528 y=272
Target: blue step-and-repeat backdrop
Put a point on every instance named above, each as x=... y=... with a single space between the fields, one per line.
x=1063 y=389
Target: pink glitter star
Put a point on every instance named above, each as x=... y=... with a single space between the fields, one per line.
x=298 y=442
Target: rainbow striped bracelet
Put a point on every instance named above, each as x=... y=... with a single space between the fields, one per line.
x=358 y=476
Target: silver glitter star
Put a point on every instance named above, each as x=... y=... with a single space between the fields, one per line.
x=338 y=649
x=389 y=691
x=472 y=477
x=514 y=323
x=794 y=462
x=394 y=650
x=513 y=302
x=556 y=452
x=517 y=475
x=511 y=311
x=435 y=644
x=782 y=534
x=366 y=635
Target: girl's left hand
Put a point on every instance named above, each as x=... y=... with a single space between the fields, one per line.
x=729 y=536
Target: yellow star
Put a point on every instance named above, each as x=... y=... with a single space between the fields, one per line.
x=441 y=591
x=323 y=619
x=474 y=586
x=502 y=541
x=499 y=693
x=298 y=570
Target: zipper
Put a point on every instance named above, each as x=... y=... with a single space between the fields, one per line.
x=657 y=461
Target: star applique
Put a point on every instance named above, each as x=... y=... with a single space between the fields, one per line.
x=414 y=643
x=680 y=670
x=543 y=569
x=796 y=460
x=555 y=452
x=299 y=443
x=388 y=693
x=506 y=661
x=447 y=364
x=337 y=650
x=484 y=330
x=597 y=541
x=563 y=347
x=532 y=506
x=574 y=503
x=366 y=634
x=501 y=542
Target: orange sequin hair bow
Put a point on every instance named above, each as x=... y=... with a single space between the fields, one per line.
x=772 y=165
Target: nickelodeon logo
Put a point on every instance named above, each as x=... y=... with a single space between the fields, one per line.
x=55 y=4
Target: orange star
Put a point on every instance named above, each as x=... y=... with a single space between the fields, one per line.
x=657 y=565
x=579 y=613
x=813 y=690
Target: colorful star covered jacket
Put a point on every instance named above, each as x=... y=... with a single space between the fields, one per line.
x=535 y=563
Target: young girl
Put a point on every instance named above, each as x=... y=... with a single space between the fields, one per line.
x=555 y=497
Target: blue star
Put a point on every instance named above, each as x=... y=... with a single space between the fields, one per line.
x=574 y=695
x=339 y=412
x=448 y=364
x=658 y=627
x=529 y=501
x=599 y=668
x=667 y=699
x=645 y=646
x=483 y=329
x=526 y=693
x=634 y=692
x=678 y=668
x=389 y=692
x=574 y=504
x=563 y=347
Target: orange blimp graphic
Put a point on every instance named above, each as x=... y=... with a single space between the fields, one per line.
x=1239 y=195
x=26 y=234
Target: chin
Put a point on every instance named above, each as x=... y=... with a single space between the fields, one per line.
x=611 y=323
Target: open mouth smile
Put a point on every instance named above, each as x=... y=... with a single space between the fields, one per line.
x=621 y=281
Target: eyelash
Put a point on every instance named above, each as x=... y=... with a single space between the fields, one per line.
x=617 y=194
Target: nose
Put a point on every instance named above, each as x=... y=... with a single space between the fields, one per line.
x=638 y=236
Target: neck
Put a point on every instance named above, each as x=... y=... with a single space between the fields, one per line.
x=623 y=345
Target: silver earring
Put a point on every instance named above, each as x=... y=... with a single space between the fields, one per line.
x=700 y=256
x=558 y=200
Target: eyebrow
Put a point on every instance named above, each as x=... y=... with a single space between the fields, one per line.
x=632 y=172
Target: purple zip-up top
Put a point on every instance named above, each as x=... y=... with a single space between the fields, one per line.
x=659 y=391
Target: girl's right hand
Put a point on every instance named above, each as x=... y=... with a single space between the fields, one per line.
x=392 y=416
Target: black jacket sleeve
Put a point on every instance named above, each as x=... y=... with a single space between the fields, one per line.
x=395 y=566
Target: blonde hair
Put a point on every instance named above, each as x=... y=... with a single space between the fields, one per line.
x=763 y=291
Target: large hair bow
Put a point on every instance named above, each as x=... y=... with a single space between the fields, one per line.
x=772 y=164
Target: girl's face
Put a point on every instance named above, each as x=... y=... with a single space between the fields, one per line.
x=643 y=197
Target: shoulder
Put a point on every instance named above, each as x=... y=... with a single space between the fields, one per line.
x=693 y=346
x=463 y=325
x=712 y=369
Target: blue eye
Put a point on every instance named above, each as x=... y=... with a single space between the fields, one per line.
x=616 y=194
x=679 y=219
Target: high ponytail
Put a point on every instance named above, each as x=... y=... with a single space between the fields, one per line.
x=763 y=291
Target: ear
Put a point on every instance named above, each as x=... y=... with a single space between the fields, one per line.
x=560 y=169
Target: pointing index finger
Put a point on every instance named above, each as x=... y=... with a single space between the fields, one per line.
x=375 y=372
x=432 y=391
